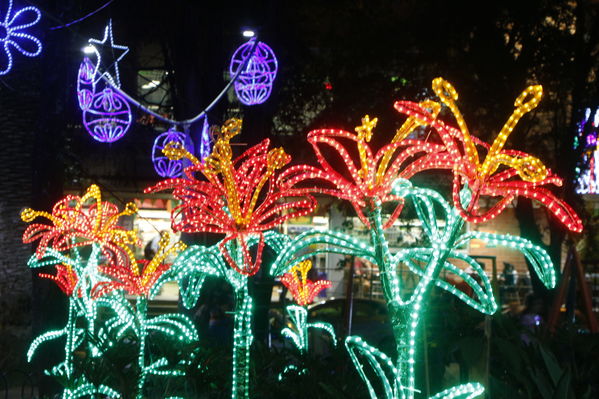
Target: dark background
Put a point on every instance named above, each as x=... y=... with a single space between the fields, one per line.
x=338 y=59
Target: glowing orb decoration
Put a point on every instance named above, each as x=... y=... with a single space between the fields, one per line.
x=13 y=35
x=108 y=117
x=254 y=83
x=164 y=166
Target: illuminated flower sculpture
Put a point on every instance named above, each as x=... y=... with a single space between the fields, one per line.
x=80 y=221
x=502 y=173
x=240 y=199
x=304 y=291
x=137 y=278
x=13 y=35
x=65 y=278
x=372 y=177
x=101 y=279
x=382 y=177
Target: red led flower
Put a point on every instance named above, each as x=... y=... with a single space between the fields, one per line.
x=237 y=197
x=137 y=278
x=76 y=223
x=65 y=278
x=303 y=290
x=503 y=174
x=373 y=177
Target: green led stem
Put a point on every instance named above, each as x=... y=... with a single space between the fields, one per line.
x=242 y=340
x=125 y=317
x=299 y=319
x=194 y=265
x=406 y=308
x=79 y=307
x=142 y=309
x=70 y=344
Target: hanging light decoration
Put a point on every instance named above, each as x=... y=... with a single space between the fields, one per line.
x=108 y=117
x=164 y=166
x=205 y=140
x=106 y=113
x=254 y=84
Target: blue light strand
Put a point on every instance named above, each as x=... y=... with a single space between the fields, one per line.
x=82 y=18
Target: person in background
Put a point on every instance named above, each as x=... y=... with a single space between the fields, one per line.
x=152 y=246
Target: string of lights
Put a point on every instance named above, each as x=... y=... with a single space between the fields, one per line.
x=203 y=113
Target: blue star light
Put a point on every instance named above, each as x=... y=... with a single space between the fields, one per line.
x=108 y=59
x=13 y=36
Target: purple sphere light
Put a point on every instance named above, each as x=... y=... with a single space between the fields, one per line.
x=166 y=167
x=108 y=117
x=254 y=83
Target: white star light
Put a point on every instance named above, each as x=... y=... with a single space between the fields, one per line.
x=95 y=44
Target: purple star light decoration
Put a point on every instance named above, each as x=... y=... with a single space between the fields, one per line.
x=164 y=166
x=14 y=37
x=254 y=83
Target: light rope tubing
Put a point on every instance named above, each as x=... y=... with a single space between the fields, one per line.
x=202 y=114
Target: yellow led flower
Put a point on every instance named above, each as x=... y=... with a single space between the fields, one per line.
x=133 y=280
x=502 y=174
x=528 y=167
x=79 y=221
x=236 y=197
x=303 y=290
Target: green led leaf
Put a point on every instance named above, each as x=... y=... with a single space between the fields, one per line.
x=325 y=327
x=90 y=390
x=175 y=325
x=51 y=257
x=484 y=301
x=365 y=357
x=537 y=256
x=190 y=269
x=299 y=319
x=158 y=368
x=294 y=337
x=302 y=247
x=47 y=336
x=124 y=314
x=464 y=391
x=276 y=241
